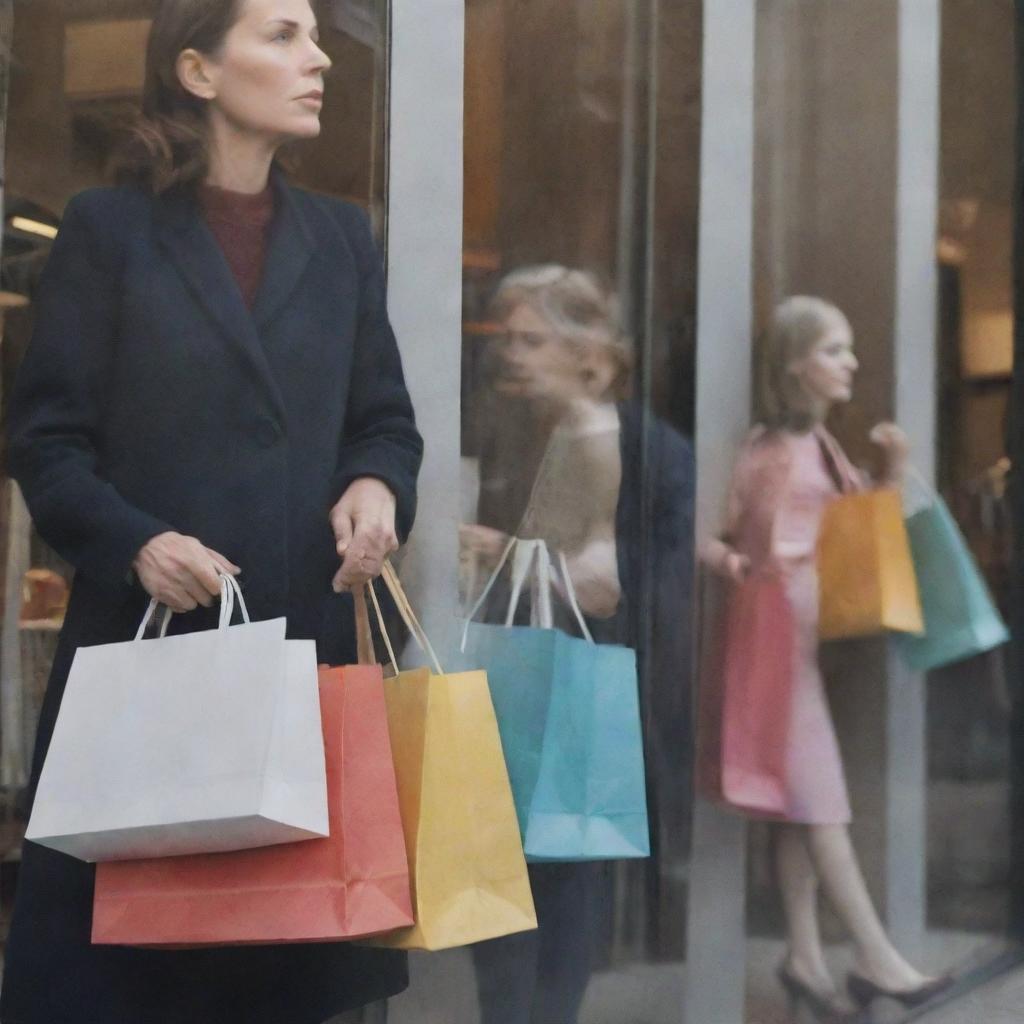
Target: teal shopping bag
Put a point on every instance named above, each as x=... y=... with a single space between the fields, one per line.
x=960 y=618
x=569 y=718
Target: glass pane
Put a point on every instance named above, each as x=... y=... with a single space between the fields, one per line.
x=969 y=703
x=918 y=767
x=579 y=282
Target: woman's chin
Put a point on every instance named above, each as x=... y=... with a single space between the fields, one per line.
x=308 y=128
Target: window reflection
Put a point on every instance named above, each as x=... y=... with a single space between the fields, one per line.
x=579 y=277
x=609 y=487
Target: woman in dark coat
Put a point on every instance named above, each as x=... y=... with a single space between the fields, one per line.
x=212 y=385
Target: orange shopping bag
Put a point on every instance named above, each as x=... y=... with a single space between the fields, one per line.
x=352 y=884
x=866 y=579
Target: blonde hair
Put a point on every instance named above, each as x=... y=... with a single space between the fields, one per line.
x=581 y=313
x=797 y=325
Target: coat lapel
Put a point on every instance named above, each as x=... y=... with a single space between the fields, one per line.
x=198 y=258
x=289 y=249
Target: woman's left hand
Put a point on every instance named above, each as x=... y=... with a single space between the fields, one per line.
x=364 y=528
x=895 y=450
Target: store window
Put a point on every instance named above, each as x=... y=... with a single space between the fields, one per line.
x=918 y=764
x=581 y=161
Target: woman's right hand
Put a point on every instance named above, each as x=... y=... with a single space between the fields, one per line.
x=482 y=542
x=735 y=567
x=181 y=572
x=725 y=560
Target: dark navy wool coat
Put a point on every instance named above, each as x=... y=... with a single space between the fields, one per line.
x=152 y=399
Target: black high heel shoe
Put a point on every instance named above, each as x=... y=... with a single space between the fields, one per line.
x=827 y=1007
x=863 y=991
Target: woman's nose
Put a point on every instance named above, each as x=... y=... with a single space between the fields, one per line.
x=319 y=61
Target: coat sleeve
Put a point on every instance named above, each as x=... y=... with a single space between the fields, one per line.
x=380 y=436
x=56 y=412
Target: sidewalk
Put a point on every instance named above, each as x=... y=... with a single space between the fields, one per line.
x=999 y=1002
x=443 y=990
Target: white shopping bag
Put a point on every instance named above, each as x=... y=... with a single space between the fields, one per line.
x=199 y=743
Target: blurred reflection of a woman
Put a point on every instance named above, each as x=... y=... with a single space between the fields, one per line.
x=611 y=490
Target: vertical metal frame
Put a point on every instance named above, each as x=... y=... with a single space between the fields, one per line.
x=424 y=244
x=717 y=940
x=6 y=50
x=915 y=368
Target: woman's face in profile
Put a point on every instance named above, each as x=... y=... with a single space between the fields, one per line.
x=826 y=373
x=535 y=362
x=268 y=78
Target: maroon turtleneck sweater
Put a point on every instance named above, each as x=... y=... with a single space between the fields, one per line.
x=240 y=222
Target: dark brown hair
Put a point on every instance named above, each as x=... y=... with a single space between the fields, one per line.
x=168 y=145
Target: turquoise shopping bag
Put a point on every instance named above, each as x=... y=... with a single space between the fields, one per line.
x=960 y=618
x=569 y=718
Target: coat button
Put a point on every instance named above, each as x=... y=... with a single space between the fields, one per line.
x=267 y=433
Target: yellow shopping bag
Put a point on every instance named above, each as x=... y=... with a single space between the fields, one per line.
x=866 y=575
x=466 y=862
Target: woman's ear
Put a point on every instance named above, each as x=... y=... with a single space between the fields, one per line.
x=194 y=73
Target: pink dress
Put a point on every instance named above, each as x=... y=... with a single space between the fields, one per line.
x=815 y=781
x=782 y=485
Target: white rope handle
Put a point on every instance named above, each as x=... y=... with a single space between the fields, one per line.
x=230 y=592
x=148 y=618
x=527 y=554
x=474 y=611
x=570 y=593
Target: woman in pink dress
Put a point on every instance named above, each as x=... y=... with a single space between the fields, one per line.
x=789 y=470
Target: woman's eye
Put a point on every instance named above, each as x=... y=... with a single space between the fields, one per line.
x=283 y=36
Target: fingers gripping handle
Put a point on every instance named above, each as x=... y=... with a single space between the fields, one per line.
x=230 y=592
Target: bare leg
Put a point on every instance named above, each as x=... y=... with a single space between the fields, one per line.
x=876 y=957
x=798 y=885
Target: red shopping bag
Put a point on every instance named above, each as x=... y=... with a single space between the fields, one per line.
x=755 y=689
x=352 y=884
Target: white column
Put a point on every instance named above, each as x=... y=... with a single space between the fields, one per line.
x=915 y=367
x=716 y=949
x=425 y=281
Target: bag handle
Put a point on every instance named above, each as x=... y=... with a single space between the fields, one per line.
x=916 y=492
x=528 y=552
x=570 y=593
x=364 y=635
x=394 y=585
x=230 y=592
